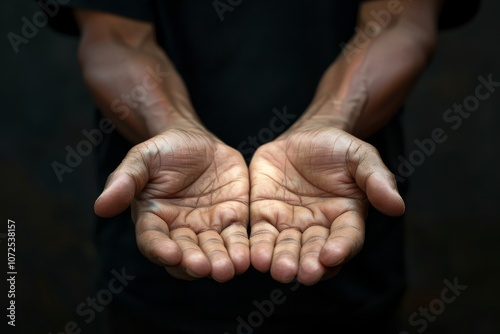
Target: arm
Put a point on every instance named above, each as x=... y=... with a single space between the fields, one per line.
x=370 y=80
x=131 y=79
x=311 y=187
x=188 y=191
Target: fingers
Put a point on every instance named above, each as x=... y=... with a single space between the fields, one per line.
x=177 y=250
x=324 y=251
x=311 y=270
x=347 y=235
x=375 y=179
x=212 y=246
x=152 y=237
x=209 y=253
x=128 y=179
x=235 y=238
x=277 y=252
x=262 y=240
x=311 y=256
x=188 y=255
x=285 y=263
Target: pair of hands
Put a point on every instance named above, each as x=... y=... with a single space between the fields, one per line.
x=305 y=196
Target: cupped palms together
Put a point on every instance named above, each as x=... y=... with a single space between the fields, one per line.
x=310 y=192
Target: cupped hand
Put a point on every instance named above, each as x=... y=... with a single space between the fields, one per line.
x=310 y=192
x=189 y=196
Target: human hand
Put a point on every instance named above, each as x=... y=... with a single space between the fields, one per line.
x=189 y=197
x=310 y=191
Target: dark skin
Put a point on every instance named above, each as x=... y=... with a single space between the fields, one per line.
x=305 y=194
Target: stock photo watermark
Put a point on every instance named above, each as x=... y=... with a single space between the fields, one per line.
x=11 y=273
x=30 y=26
x=453 y=118
x=424 y=315
x=277 y=124
x=88 y=309
x=121 y=107
x=222 y=6
x=381 y=19
x=262 y=310
x=138 y=94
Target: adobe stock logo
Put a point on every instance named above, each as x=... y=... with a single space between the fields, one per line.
x=436 y=306
x=221 y=7
x=30 y=28
x=88 y=309
x=121 y=107
x=453 y=117
x=262 y=310
x=362 y=37
x=74 y=156
x=277 y=124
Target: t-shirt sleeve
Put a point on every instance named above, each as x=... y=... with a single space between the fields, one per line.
x=64 y=22
x=457 y=12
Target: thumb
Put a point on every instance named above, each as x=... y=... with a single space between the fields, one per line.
x=376 y=180
x=127 y=180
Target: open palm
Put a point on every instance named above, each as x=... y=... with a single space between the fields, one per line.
x=309 y=197
x=189 y=196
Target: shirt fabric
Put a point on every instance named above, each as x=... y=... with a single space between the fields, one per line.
x=264 y=57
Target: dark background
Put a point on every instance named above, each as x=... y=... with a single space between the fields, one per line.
x=452 y=212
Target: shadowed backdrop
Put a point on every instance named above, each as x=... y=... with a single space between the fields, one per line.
x=452 y=218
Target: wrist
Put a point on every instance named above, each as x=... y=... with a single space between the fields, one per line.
x=329 y=111
x=321 y=121
x=164 y=115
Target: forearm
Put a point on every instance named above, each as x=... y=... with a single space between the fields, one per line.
x=131 y=80
x=370 y=80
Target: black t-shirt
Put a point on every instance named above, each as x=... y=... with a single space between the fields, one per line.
x=242 y=68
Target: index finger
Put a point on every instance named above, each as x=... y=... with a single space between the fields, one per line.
x=347 y=235
x=153 y=240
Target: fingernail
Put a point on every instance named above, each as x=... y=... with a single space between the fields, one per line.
x=191 y=273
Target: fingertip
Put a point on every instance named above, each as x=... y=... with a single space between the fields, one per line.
x=334 y=253
x=261 y=259
x=198 y=265
x=101 y=207
x=116 y=197
x=310 y=271
x=222 y=270
x=262 y=241
x=394 y=205
x=237 y=243
x=168 y=253
x=241 y=262
x=384 y=195
x=284 y=270
x=197 y=273
x=401 y=205
x=97 y=206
